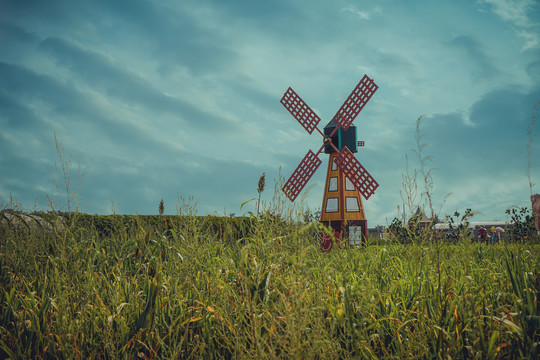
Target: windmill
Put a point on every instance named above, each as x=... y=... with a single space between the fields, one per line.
x=346 y=178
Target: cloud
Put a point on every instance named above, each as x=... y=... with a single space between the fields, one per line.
x=364 y=15
x=514 y=11
x=533 y=70
x=201 y=39
x=531 y=39
x=102 y=73
x=138 y=186
x=519 y=13
x=494 y=128
x=60 y=11
x=474 y=54
x=133 y=176
x=15 y=34
x=24 y=171
x=50 y=93
x=15 y=115
x=73 y=114
x=483 y=163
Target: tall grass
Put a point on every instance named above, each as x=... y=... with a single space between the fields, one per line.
x=138 y=294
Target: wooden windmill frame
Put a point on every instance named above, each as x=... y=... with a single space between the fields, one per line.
x=344 y=170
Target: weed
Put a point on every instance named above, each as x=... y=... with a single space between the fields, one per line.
x=459 y=226
x=524 y=227
x=63 y=181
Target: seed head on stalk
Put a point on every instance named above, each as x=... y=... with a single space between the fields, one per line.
x=260 y=189
x=161 y=207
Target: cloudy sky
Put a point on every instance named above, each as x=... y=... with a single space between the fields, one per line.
x=159 y=99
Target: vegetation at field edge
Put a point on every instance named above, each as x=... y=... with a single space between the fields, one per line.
x=272 y=294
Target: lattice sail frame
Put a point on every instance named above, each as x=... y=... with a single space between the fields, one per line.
x=356 y=173
x=301 y=175
x=300 y=110
x=355 y=102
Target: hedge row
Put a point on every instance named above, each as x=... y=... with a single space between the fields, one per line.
x=228 y=228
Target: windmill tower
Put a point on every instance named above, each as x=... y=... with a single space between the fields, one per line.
x=346 y=178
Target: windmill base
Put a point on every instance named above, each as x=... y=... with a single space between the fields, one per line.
x=354 y=230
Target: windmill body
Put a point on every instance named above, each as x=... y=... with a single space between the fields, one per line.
x=346 y=178
x=342 y=207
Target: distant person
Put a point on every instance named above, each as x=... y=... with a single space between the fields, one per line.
x=482 y=234
x=535 y=202
x=492 y=231
x=498 y=233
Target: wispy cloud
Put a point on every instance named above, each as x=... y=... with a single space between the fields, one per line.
x=523 y=14
x=364 y=15
x=101 y=73
x=514 y=11
x=531 y=40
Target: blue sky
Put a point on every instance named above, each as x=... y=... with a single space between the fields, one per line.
x=160 y=99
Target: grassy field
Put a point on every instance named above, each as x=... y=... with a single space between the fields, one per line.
x=272 y=294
